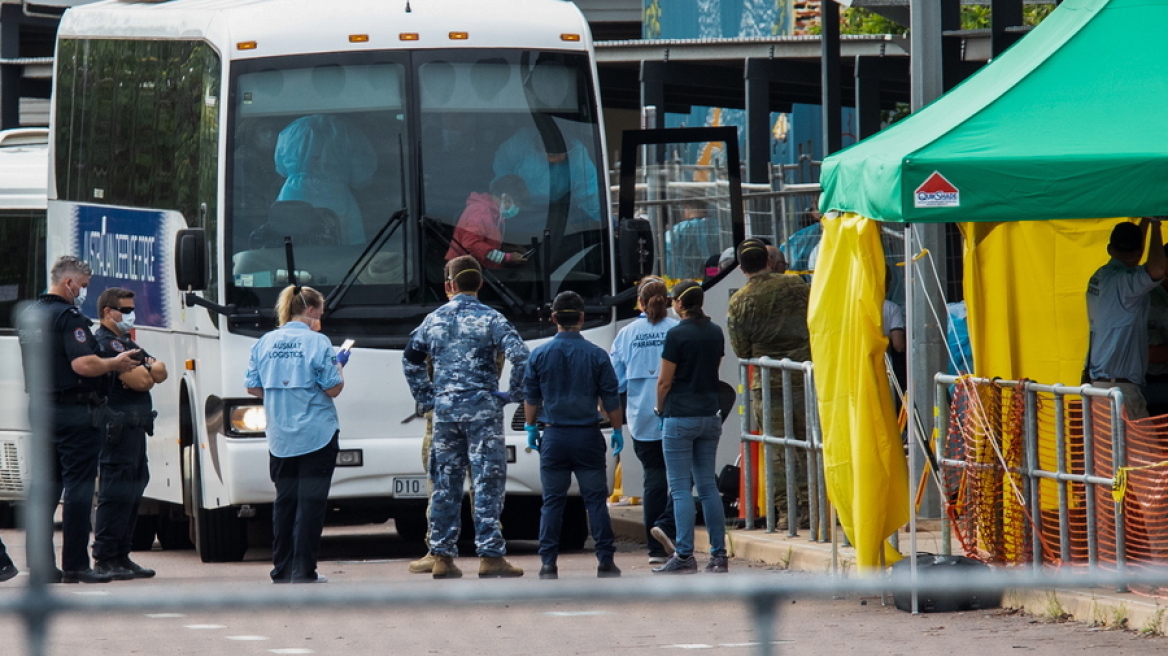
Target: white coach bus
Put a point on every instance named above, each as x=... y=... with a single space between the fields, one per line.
x=23 y=172
x=204 y=149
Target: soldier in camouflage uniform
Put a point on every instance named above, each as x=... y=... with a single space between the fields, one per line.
x=768 y=317
x=461 y=338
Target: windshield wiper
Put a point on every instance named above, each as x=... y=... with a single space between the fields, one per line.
x=333 y=300
x=514 y=303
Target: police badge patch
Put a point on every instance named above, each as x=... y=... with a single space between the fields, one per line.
x=79 y=335
x=117 y=346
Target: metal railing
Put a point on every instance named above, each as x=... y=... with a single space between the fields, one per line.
x=1064 y=473
x=808 y=446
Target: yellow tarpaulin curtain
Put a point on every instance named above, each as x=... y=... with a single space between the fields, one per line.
x=864 y=464
x=1025 y=290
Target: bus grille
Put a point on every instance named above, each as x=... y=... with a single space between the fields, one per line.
x=11 y=479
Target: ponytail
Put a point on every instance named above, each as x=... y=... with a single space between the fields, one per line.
x=654 y=299
x=294 y=301
x=689 y=293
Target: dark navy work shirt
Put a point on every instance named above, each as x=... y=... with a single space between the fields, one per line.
x=696 y=348
x=567 y=375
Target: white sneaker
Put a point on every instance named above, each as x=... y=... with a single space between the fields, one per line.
x=661 y=537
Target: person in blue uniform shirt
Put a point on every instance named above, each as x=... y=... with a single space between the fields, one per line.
x=122 y=469
x=462 y=338
x=68 y=404
x=297 y=374
x=568 y=376
x=636 y=357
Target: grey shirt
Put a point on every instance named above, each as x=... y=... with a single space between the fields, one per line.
x=1117 y=308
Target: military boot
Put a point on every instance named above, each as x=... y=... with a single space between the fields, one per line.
x=444 y=568
x=423 y=565
x=497 y=567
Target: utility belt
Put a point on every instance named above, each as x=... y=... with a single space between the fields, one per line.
x=115 y=423
x=76 y=397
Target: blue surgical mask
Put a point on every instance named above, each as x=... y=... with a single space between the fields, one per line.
x=80 y=297
x=127 y=322
x=511 y=212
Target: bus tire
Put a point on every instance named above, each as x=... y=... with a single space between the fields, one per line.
x=412 y=526
x=173 y=528
x=8 y=514
x=220 y=536
x=144 y=530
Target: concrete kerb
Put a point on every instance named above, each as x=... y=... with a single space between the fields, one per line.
x=1095 y=607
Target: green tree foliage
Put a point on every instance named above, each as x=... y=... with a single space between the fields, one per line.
x=862 y=21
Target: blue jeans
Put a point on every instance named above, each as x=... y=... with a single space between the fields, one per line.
x=563 y=452
x=691 y=444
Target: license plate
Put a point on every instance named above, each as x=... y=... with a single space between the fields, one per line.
x=411 y=487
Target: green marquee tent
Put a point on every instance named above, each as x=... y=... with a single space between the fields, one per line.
x=1070 y=122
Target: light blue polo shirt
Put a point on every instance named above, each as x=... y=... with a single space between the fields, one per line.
x=636 y=357
x=294 y=366
x=1117 y=307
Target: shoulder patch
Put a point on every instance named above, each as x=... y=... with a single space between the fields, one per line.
x=79 y=335
x=117 y=346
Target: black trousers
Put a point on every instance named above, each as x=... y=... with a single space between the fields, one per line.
x=655 y=500
x=76 y=445
x=123 y=475
x=302 y=487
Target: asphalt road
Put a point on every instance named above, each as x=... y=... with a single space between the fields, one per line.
x=362 y=556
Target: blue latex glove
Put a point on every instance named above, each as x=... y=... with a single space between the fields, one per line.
x=343 y=357
x=618 y=441
x=533 y=438
x=502 y=396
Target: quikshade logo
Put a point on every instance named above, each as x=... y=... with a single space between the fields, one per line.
x=936 y=191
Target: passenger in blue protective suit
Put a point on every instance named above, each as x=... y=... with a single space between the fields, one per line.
x=553 y=170
x=323 y=158
x=568 y=376
x=294 y=370
x=461 y=338
x=636 y=357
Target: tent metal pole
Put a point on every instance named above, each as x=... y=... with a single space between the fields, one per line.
x=912 y=324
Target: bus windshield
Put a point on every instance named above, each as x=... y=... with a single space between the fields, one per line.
x=381 y=167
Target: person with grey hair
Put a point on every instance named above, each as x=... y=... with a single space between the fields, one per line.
x=68 y=402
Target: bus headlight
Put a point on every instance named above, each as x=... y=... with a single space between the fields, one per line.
x=246 y=421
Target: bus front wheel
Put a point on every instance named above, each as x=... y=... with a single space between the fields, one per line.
x=220 y=536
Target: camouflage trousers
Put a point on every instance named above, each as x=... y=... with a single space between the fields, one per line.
x=480 y=446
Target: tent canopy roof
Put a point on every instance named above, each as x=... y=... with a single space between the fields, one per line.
x=1070 y=122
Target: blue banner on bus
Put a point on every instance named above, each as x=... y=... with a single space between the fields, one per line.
x=124 y=248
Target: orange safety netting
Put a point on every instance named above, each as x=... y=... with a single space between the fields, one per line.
x=985 y=491
x=985 y=430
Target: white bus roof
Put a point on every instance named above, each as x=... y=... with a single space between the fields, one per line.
x=24 y=168
x=283 y=27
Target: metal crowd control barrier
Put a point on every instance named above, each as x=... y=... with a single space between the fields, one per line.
x=1033 y=473
x=810 y=444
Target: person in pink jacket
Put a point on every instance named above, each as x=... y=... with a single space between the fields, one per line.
x=480 y=228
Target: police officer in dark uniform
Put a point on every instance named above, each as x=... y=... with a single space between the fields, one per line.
x=122 y=466
x=70 y=399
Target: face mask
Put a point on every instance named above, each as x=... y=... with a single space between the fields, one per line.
x=510 y=213
x=80 y=297
x=127 y=322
